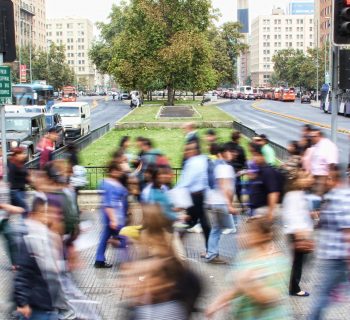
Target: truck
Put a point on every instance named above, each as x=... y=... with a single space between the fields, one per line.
x=69 y=94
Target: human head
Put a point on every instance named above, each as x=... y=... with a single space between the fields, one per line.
x=18 y=155
x=58 y=172
x=52 y=134
x=257 y=154
x=39 y=210
x=334 y=177
x=124 y=142
x=146 y=144
x=139 y=141
x=236 y=136
x=189 y=127
x=316 y=136
x=115 y=170
x=306 y=129
x=162 y=175
x=191 y=150
x=302 y=181
x=258 y=141
x=264 y=139
x=210 y=136
x=225 y=153
x=259 y=232
x=293 y=148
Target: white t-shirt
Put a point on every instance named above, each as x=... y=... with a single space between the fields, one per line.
x=221 y=171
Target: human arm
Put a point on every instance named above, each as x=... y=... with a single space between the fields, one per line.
x=272 y=201
x=226 y=189
x=11 y=209
x=113 y=222
x=221 y=302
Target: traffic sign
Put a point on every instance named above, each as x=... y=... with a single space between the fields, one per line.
x=5 y=82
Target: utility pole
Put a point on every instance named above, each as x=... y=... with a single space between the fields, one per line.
x=3 y=132
x=335 y=92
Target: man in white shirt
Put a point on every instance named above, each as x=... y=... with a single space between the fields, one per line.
x=220 y=200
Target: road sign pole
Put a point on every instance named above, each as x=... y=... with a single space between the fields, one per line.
x=3 y=134
x=335 y=92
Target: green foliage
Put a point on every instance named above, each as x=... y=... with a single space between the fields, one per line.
x=152 y=45
x=49 y=66
x=295 y=68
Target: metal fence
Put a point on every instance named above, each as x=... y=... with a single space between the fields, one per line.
x=80 y=144
x=281 y=152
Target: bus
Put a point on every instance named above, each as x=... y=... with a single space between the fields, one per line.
x=69 y=94
x=287 y=95
x=276 y=95
x=33 y=95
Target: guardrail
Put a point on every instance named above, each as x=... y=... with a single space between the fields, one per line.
x=80 y=144
x=281 y=152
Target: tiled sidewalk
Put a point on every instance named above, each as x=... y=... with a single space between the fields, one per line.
x=103 y=286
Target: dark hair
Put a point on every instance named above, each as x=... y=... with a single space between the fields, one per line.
x=319 y=131
x=147 y=142
x=236 y=135
x=123 y=140
x=214 y=149
x=140 y=139
x=210 y=132
x=195 y=144
x=156 y=172
x=117 y=154
x=52 y=129
x=114 y=166
x=37 y=204
x=296 y=148
x=264 y=137
x=256 y=148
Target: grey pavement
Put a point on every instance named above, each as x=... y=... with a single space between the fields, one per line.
x=282 y=130
x=104 y=291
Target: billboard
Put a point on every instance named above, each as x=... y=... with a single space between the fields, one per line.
x=301 y=8
x=23 y=73
x=243 y=19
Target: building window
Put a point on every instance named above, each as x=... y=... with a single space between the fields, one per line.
x=80 y=25
x=69 y=25
x=81 y=33
x=70 y=33
x=59 y=34
x=59 y=26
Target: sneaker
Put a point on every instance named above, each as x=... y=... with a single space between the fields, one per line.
x=217 y=260
x=229 y=231
x=196 y=229
x=102 y=265
x=66 y=315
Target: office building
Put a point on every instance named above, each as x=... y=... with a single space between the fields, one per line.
x=301 y=7
x=271 y=33
x=323 y=15
x=30 y=23
x=243 y=59
x=76 y=34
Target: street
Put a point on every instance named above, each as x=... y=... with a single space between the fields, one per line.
x=280 y=129
x=103 y=111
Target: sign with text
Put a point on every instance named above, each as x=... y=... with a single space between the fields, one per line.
x=23 y=73
x=5 y=82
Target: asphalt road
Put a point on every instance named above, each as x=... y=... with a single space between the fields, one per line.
x=282 y=130
x=105 y=111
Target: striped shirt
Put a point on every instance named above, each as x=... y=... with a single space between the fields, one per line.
x=334 y=219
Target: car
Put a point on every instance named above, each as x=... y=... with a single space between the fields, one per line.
x=125 y=95
x=25 y=130
x=53 y=120
x=305 y=99
x=249 y=96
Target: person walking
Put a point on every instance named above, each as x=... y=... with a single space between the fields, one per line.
x=333 y=247
x=299 y=225
x=114 y=210
x=220 y=200
x=324 y=155
x=194 y=178
x=267 y=150
x=191 y=133
x=47 y=146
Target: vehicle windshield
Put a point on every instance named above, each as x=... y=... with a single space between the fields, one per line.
x=49 y=121
x=17 y=124
x=34 y=110
x=66 y=111
x=24 y=96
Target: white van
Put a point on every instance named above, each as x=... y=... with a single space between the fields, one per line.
x=76 y=118
x=14 y=109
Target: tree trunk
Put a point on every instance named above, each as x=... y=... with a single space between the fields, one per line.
x=194 y=96
x=171 y=94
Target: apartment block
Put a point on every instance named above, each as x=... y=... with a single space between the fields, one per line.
x=272 y=33
x=76 y=34
x=323 y=16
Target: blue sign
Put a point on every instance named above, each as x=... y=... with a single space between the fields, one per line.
x=243 y=19
x=301 y=8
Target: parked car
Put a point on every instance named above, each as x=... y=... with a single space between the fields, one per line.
x=125 y=95
x=249 y=96
x=53 y=120
x=305 y=99
x=25 y=130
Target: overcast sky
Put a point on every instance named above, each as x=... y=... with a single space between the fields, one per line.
x=98 y=10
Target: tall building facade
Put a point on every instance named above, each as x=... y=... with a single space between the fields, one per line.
x=301 y=7
x=76 y=34
x=323 y=16
x=243 y=60
x=30 y=23
x=275 y=32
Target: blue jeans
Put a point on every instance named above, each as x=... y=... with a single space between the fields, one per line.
x=331 y=274
x=41 y=315
x=18 y=199
x=221 y=219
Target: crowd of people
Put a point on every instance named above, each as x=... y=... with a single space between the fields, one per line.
x=223 y=188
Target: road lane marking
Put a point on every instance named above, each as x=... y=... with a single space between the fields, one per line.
x=318 y=124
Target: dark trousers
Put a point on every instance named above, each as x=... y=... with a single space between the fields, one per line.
x=197 y=212
x=238 y=188
x=297 y=268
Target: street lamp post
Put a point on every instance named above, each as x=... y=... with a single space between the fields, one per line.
x=317 y=58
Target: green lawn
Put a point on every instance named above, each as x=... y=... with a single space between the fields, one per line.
x=169 y=141
x=188 y=101
x=149 y=114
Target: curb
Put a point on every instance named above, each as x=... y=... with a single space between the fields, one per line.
x=317 y=124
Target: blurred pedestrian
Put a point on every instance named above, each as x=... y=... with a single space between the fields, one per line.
x=191 y=133
x=265 y=186
x=211 y=137
x=260 y=278
x=323 y=157
x=293 y=164
x=72 y=154
x=18 y=177
x=194 y=178
x=114 y=208
x=47 y=146
x=220 y=199
x=267 y=150
x=124 y=146
x=299 y=226
x=333 y=247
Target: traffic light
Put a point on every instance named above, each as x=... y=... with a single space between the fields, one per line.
x=344 y=69
x=7 y=31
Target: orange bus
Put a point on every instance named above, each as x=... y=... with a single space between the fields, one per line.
x=288 y=95
x=69 y=94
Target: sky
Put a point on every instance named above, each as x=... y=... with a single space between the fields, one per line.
x=98 y=10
